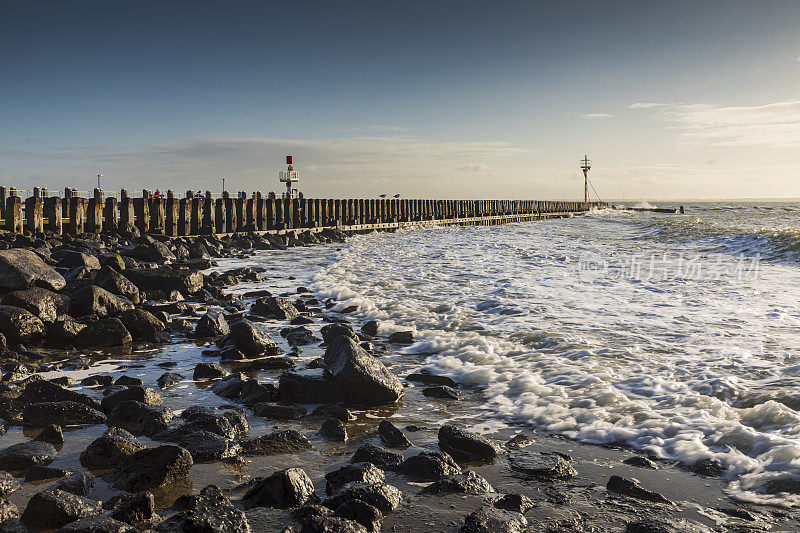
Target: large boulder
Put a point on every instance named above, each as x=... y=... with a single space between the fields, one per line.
x=430 y=466
x=466 y=483
x=20 y=269
x=309 y=386
x=70 y=259
x=20 y=326
x=491 y=519
x=139 y=418
x=109 y=279
x=54 y=508
x=208 y=512
x=182 y=280
x=466 y=446
x=65 y=413
x=143 y=325
x=110 y=449
x=276 y=443
x=104 y=333
x=212 y=324
x=94 y=300
x=43 y=390
x=541 y=465
x=152 y=467
x=46 y=305
x=251 y=339
x=360 y=472
x=285 y=488
x=274 y=307
x=363 y=378
x=144 y=395
x=25 y=455
x=380 y=495
x=133 y=509
x=228 y=423
x=97 y=524
x=384 y=459
x=206 y=446
x=153 y=250
x=64 y=331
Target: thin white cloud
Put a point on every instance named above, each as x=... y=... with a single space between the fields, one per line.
x=593 y=116
x=382 y=127
x=776 y=124
x=473 y=167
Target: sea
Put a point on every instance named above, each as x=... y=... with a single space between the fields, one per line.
x=676 y=335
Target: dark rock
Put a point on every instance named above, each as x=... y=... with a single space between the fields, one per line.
x=143 y=395
x=492 y=520
x=254 y=392
x=402 y=337
x=519 y=441
x=152 y=467
x=80 y=484
x=308 y=386
x=361 y=512
x=109 y=279
x=285 y=488
x=47 y=391
x=370 y=328
x=229 y=424
x=97 y=524
x=339 y=412
x=279 y=412
x=208 y=371
x=206 y=446
x=300 y=337
x=92 y=300
x=143 y=326
x=708 y=467
x=272 y=363
x=430 y=379
x=278 y=442
x=251 y=340
x=641 y=462
x=110 y=449
x=185 y=281
x=8 y=484
x=330 y=332
x=51 y=433
x=127 y=381
x=331 y=524
x=46 y=305
x=541 y=465
x=466 y=483
x=137 y=509
x=229 y=387
x=44 y=473
x=19 y=326
x=140 y=419
x=272 y=307
x=466 y=446
x=63 y=331
x=359 y=472
x=333 y=430
x=442 y=391
x=301 y=321
x=363 y=378
x=73 y=259
x=105 y=332
x=9 y=515
x=430 y=466
x=392 y=436
x=518 y=503
x=630 y=488
x=376 y=455
x=65 y=413
x=24 y=455
x=380 y=495
x=54 y=508
x=20 y=269
x=212 y=324
x=169 y=379
x=208 y=512
x=97 y=381
x=152 y=250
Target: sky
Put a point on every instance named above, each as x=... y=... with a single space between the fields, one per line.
x=439 y=99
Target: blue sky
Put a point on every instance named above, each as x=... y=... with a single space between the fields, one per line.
x=444 y=99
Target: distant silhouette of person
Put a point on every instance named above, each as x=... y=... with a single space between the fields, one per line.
x=157 y=194
x=300 y=195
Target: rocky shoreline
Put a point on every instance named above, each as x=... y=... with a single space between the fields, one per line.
x=251 y=411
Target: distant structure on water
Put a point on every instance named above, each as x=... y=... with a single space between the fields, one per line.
x=290 y=177
x=585 y=166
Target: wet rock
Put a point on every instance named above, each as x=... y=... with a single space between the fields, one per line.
x=370 y=328
x=402 y=337
x=51 y=433
x=183 y=280
x=63 y=331
x=430 y=379
x=330 y=332
x=47 y=391
x=143 y=395
x=25 y=455
x=46 y=305
x=339 y=412
x=206 y=446
x=92 y=300
x=109 y=279
x=518 y=503
x=380 y=495
x=626 y=487
x=392 y=436
x=55 y=508
x=208 y=371
x=279 y=412
x=376 y=455
x=8 y=483
x=254 y=392
x=80 y=484
x=272 y=363
x=19 y=326
x=229 y=387
x=492 y=520
x=285 y=488
x=228 y=423
x=62 y=413
x=251 y=339
x=152 y=250
x=127 y=381
x=110 y=449
x=152 y=467
x=466 y=483
x=103 y=333
x=301 y=337
x=333 y=430
x=358 y=472
x=309 y=386
x=133 y=509
x=541 y=465
x=466 y=446
x=208 y=512
x=212 y=324
x=144 y=326
x=169 y=379
x=641 y=462
x=97 y=524
x=97 y=381
x=362 y=513
x=20 y=269
x=519 y=441
x=276 y=443
x=707 y=467
x=139 y=418
x=441 y=391
x=363 y=378
x=272 y=307
x=9 y=513
x=429 y=466
x=331 y=524
x=73 y=259
x=675 y=525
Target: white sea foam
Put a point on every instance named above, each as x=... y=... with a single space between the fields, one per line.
x=689 y=369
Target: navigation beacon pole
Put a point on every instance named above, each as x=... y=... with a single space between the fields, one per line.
x=289 y=176
x=585 y=166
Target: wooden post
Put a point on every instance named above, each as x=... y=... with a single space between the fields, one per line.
x=141 y=209
x=230 y=211
x=209 y=210
x=196 y=218
x=158 y=215
x=280 y=219
x=94 y=215
x=14 y=214
x=77 y=214
x=288 y=213
x=220 y=218
x=184 y=216
x=261 y=213
x=34 y=215
x=269 y=206
x=171 y=216
x=110 y=221
x=250 y=214
x=52 y=210
x=240 y=213
x=127 y=214
x=3 y=200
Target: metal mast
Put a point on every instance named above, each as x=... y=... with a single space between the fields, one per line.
x=585 y=166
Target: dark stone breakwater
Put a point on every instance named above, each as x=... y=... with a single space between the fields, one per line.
x=302 y=419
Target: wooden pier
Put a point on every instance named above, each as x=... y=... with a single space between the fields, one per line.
x=208 y=215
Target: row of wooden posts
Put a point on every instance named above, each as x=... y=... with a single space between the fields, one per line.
x=203 y=214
